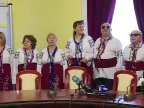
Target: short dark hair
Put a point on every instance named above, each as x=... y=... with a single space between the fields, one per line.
x=76 y=23
x=32 y=39
x=80 y=22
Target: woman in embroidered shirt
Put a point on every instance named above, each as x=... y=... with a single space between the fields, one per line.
x=79 y=50
x=26 y=57
x=52 y=64
x=134 y=55
x=6 y=59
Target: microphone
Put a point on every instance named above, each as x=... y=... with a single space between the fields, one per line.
x=128 y=96
x=79 y=82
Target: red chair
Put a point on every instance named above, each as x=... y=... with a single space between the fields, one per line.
x=28 y=80
x=125 y=80
x=70 y=72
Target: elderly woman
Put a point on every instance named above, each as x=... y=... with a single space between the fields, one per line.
x=6 y=59
x=26 y=57
x=52 y=64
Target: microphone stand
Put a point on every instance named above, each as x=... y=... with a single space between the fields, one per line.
x=127 y=93
x=81 y=92
x=128 y=96
x=79 y=87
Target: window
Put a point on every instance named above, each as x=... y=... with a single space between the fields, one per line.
x=6 y=22
x=124 y=21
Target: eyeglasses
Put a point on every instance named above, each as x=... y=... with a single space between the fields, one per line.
x=103 y=27
x=135 y=35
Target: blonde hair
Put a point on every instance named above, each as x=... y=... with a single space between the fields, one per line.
x=2 y=36
x=51 y=34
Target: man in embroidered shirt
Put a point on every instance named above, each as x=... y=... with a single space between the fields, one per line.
x=107 y=53
x=134 y=55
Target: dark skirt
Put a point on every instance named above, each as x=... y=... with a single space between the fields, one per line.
x=45 y=71
x=30 y=66
x=5 y=77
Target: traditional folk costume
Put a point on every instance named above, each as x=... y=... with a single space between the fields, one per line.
x=52 y=69
x=25 y=61
x=79 y=50
x=6 y=59
x=134 y=59
x=107 y=60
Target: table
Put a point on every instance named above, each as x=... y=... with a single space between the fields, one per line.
x=64 y=98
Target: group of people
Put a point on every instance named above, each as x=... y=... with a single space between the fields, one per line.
x=101 y=59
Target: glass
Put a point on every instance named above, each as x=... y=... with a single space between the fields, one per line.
x=107 y=27
x=135 y=35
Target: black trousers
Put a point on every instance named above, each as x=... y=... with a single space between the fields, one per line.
x=104 y=81
x=140 y=89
